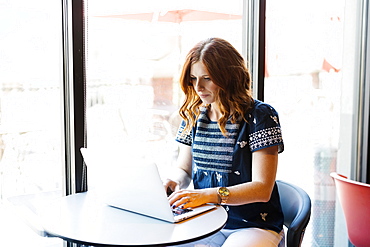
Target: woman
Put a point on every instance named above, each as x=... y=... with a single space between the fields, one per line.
x=229 y=145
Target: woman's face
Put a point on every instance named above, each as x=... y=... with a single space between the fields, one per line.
x=203 y=84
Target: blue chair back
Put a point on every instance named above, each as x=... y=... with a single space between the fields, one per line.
x=296 y=205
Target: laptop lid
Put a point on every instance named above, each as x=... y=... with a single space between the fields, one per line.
x=138 y=188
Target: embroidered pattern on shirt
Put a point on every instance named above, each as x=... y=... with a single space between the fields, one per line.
x=218 y=176
x=182 y=137
x=242 y=144
x=263 y=216
x=265 y=137
x=275 y=118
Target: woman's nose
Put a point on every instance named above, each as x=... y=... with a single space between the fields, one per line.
x=198 y=85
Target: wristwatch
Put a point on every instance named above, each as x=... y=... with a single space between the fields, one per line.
x=223 y=194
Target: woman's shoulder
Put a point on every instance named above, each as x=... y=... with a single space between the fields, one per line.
x=261 y=107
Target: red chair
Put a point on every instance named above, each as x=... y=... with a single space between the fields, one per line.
x=354 y=198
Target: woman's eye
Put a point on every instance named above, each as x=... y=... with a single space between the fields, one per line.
x=207 y=78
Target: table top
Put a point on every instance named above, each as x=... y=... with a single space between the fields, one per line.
x=82 y=218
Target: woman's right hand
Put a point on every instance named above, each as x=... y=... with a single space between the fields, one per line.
x=171 y=186
x=180 y=176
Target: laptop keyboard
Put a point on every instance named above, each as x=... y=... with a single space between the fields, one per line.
x=179 y=211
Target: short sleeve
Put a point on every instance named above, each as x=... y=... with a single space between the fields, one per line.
x=182 y=137
x=265 y=129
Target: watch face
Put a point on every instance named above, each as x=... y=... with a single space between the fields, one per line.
x=224 y=191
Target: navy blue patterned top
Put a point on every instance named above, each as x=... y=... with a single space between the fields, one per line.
x=225 y=161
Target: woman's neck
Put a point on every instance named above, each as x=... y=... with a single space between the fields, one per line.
x=214 y=114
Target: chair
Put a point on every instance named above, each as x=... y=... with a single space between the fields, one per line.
x=354 y=197
x=296 y=205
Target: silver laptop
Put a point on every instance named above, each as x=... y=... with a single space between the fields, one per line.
x=139 y=189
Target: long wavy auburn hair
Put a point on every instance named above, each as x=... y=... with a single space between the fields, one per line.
x=227 y=69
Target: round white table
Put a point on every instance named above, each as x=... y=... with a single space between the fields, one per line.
x=81 y=218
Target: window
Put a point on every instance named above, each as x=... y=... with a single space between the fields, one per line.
x=311 y=80
x=135 y=52
x=30 y=109
x=132 y=94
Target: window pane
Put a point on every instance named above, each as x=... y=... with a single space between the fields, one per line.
x=303 y=81
x=30 y=109
x=135 y=51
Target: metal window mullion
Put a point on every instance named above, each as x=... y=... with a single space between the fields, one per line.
x=67 y=91
x=365 y=95
x=79 y=92
x=362 y=157
x=253 y=48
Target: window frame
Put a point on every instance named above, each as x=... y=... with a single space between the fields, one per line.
x=74 y=95
x=362 y=165
x=253 y=47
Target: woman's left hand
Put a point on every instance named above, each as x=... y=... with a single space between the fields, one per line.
x=192 y=198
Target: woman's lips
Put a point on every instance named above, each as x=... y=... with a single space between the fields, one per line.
x=203 y=95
